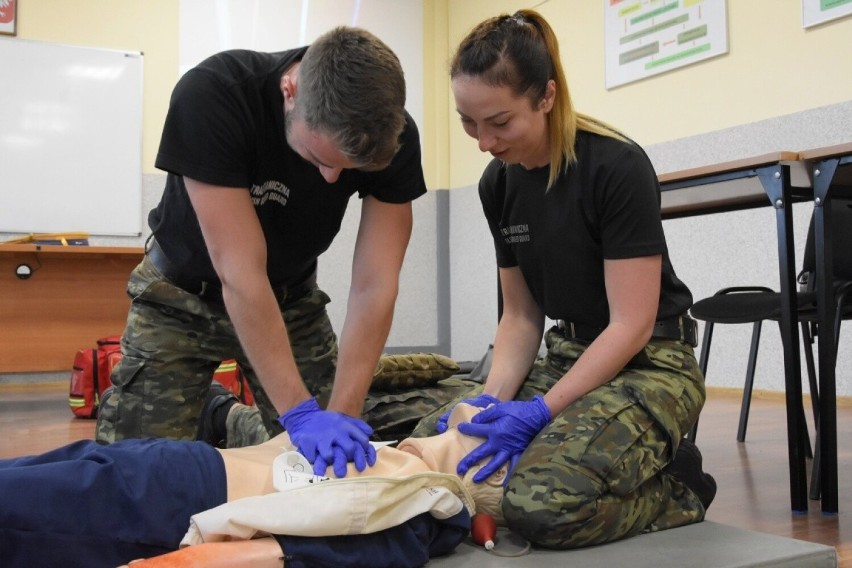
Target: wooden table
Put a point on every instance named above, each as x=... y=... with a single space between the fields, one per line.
x=777 y=179
x=74 y=295
x=831 y=170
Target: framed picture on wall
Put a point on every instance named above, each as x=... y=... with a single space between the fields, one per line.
x=815 y=12
x=643 y=39
x=8 y=11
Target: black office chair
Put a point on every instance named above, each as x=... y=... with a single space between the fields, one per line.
x=754 y=304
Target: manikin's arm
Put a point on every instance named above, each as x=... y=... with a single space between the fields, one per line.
x=437 y=453
x=256 y=553
x=408 y=545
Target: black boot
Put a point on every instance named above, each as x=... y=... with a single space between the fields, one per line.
x=687 y=468
x=211 y=422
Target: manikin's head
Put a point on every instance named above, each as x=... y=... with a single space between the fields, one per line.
x=440 y=453
x=444 y=451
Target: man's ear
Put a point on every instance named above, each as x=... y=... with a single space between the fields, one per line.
x=288 y=89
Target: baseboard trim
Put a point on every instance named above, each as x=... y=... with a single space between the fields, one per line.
x=773 y=395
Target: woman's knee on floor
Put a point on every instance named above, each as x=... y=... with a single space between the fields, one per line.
x=552 y=509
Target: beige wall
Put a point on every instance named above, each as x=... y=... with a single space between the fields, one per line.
x=773 y=67
x=436 y=112
x=149 y=26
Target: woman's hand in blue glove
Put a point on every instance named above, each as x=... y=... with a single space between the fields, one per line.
x=508 y=428
x=481 y=401
x=326 y=437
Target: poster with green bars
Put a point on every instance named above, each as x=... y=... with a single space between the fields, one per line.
x=815 y=12
x=647 y=38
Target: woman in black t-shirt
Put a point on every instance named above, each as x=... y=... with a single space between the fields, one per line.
x=593 y=433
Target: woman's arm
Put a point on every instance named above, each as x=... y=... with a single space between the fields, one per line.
x=633 y=293
x=518 y=337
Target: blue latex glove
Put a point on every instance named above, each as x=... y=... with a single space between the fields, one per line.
x=508 y=429
x=480 y=401
x=326 y=437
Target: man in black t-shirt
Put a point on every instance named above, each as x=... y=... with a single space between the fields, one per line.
x=263 y=152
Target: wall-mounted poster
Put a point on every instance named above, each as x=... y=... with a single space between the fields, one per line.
x=819 y=11
x=647 y=38
x=8 y=13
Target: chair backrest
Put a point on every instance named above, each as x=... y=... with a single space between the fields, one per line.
x=841 y=242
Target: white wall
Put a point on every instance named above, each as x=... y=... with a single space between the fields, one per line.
x=207 y=27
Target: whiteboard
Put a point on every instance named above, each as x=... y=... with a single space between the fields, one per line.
x=70 y=139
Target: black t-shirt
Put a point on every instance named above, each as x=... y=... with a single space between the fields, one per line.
x=225 y=126
x=605 y=206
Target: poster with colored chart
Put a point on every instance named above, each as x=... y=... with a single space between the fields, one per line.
x=816 y=12
x=649 y=37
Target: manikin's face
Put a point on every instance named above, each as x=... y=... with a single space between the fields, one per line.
x=317 y=148
x=509 y=127
x=442 y=453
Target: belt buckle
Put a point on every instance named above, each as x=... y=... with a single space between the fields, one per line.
x=567 y=329
x=689 y=330
x=681 y=328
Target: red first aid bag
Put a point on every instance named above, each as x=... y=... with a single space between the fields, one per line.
x=231 y=377
x=90 y=375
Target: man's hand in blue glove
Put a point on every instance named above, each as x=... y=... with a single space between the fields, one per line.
x=326 y=437
x=508 y=428
x=481 y=401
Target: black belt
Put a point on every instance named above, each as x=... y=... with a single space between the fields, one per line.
x=680 y=328
x=213 y=290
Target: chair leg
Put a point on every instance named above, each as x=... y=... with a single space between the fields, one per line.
x=749 y=382
x=702 y=366
x=808 y=344
x=806 y=435
x=705 y=347
x=816 y=487
x=808 y=341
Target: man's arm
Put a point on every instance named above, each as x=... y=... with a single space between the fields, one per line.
x=237 y=249
x=383 y=237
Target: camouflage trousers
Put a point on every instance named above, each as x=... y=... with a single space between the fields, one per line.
x=392 y=414
x=595 y=473
x=175 y=340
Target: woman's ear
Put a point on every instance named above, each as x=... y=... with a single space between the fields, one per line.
x=546 y=103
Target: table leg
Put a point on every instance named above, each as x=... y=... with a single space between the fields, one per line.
x=827 y=463
x=776 y=183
